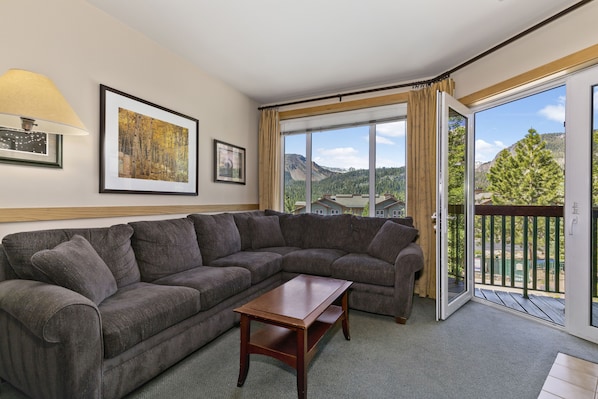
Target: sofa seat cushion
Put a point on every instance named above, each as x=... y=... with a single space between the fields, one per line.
x=316 y=261
x=278 y=250
x=215 y=284
x=362 y=268
x=165 y=247
x=141 y=310
x=261 y=265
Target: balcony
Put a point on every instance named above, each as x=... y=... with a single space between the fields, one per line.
x=519 y=258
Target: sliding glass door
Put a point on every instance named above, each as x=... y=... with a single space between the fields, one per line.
x=581 y=205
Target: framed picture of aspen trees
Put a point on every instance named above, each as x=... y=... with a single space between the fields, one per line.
x=145 y=148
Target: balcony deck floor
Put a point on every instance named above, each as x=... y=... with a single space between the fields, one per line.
x=544 y=307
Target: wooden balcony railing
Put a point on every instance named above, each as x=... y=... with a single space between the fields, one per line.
x=518 y=247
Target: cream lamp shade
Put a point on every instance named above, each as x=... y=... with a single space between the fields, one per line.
x=31 y=102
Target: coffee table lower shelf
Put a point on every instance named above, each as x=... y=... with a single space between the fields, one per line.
x=281 y=342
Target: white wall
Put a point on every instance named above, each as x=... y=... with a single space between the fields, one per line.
x=569 y=34
x=80 y=47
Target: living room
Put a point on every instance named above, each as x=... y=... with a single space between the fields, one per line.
x=82 y=47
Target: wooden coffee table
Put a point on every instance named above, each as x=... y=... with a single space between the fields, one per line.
x=296 y=316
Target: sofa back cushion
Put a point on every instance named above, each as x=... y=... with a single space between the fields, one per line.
x=217 y=235
x=332 y=232
x=292 y=227
x=165 y=247
x=6 y=271
x=75 y=265
x=113 y=245
x=265 y=232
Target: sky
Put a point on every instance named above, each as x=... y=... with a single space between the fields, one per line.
x=495 y=129
x=348 y=148
x=499 y=127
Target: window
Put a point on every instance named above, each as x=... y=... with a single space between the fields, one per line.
x=357 y=162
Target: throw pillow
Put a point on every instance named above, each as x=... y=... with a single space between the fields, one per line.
x=390 y=240
x=113 y=244
x=75 y=265
x=242 y=222
x=265 y=232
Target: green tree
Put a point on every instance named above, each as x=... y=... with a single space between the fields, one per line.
x=529 y=176
x=457 y=138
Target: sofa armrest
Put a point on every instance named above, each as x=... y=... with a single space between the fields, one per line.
x=50 y=341
x=409 y=261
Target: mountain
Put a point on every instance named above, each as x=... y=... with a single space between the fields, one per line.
x=555 y=143
x=295 y=169
x=329 y=182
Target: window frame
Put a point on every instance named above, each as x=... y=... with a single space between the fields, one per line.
x=401 y=115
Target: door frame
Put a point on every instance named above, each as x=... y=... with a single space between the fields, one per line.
x=444 y=306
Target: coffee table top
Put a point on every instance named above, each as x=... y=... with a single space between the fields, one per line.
x=298 y=302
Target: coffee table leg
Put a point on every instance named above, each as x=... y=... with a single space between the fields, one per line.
x=301 y=363
x=345 y=304
x=244 y=360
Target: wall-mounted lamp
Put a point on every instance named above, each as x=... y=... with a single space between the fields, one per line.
x=31 y=102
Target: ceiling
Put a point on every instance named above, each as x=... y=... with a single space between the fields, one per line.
x=279 y=50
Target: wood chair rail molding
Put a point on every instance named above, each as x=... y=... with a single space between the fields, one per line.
x=12 y=215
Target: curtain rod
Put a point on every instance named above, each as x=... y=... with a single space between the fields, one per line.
x=444 y=75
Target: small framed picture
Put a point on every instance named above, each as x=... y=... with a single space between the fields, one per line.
x=31 y=148
x=229 y=163
x=145 y=148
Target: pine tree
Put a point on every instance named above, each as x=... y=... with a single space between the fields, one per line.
x=530 y=176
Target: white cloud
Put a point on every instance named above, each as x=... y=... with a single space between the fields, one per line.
x=391 y=129
x=338 y=151
x=554 y=112
x=485 y=151
x=384 y=140
x=340 y=157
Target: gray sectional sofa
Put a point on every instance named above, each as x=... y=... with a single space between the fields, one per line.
x=96 y=313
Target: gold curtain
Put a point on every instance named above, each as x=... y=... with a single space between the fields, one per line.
x=269 y=159
x=421 y=175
